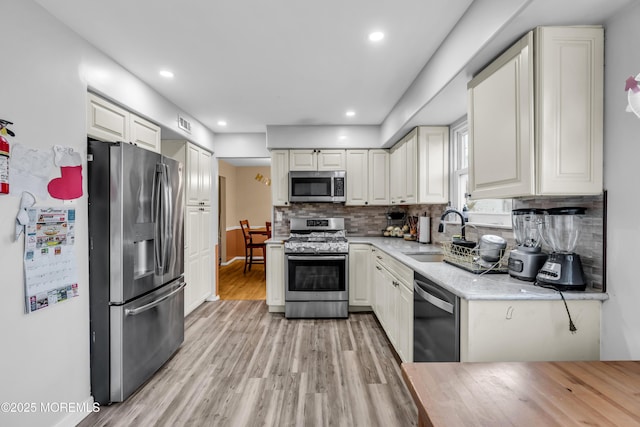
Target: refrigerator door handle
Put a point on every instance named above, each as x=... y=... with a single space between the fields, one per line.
x=157 y=203
x=167 y=218
x=142 y=309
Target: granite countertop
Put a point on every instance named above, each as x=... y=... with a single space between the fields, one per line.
x=468 y=285
x=275 y=240
x=462 y=283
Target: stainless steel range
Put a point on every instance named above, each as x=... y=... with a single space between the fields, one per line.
x=317 y=269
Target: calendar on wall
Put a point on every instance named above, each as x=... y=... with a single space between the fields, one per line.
x=49 y=262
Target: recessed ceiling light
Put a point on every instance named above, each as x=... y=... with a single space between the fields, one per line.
x=222 y=123
x=167 y=74
x=350 y=113
x=376 y=36
x=342 y=137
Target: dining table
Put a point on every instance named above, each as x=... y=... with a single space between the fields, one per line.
x=580 y=393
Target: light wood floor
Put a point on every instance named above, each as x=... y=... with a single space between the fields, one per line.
x=242 y=366
x=234 y=285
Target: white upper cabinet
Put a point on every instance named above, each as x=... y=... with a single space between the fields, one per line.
x=144 y=133
x=109 y=122
x=378 y=181
x=280 y=177
x=420 y=162
x=535 y=117
x=198 y=180
x=106 y=121
x=367 y=177
x=317 y=160
x=357 y=177
x=433 y=164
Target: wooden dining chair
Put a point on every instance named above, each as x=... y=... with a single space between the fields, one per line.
x=250 y=245
x=268 y=227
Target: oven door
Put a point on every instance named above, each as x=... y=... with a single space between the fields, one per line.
x=317 y=278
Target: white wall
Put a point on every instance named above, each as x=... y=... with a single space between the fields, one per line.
x=306 y=137
x=45 y=355
x=241 y=145
x=476 y=28
x=621 y=317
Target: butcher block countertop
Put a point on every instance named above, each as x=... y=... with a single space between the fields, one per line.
x=525 y=393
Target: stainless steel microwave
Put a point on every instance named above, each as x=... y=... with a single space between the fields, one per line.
x=320 y=186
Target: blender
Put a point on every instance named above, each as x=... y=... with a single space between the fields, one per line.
x=563 y=269
x=527 y=258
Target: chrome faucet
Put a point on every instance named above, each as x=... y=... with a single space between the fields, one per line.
x=444 y=215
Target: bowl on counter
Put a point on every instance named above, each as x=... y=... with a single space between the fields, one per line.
x=491 y=247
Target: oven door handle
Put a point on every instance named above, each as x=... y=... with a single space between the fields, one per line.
x=316 y=257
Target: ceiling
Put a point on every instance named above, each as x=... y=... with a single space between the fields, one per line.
x=277 y=62
x=291 y=62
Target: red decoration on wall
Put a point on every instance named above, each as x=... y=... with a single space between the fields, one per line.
x=69 y=185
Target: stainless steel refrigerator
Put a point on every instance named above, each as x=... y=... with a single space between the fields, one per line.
x=136 y=265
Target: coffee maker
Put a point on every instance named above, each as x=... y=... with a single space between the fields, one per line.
x=563 y=269
x=527 y=258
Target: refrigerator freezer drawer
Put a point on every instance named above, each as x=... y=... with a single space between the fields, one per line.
x=145 y=333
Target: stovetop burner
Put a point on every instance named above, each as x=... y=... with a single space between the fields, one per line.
x=317 y=236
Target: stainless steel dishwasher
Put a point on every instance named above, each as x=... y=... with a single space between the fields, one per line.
x=436 y=322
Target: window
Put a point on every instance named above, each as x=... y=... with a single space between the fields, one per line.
x=486 y=211
x=460 y=176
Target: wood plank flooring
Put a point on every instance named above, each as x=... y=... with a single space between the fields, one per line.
x=243 y=366
x=234 y=285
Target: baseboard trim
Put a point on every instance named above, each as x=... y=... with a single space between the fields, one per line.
x=238 y=258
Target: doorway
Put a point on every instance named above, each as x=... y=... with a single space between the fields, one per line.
x=244 y=194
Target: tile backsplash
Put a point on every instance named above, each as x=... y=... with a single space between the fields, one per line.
x=372 y=220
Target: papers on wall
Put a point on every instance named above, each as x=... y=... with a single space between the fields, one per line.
x=49 y=263
x=30 y=170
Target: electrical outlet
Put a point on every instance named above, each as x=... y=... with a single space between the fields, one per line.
x=279 y=216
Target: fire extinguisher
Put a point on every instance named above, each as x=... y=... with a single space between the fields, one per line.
x=4 y=165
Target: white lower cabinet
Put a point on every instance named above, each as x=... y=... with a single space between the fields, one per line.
x=533 y=330
x=404 y=304
x=359 y=275
x=198 y=257
x=393 y=302
x=275 y=277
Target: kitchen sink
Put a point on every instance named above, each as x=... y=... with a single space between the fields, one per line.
x=425 y=257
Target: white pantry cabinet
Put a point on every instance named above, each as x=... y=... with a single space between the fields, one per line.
x=359 y=275
x=198 y=256
x=536 y=114
x=393 y=301
x=198 y=242
x=367 y=177
x=317 y=160
x=532 y=330
x=275 y=277
x=198 y=182
x=280 y=177
x=420 y=166
x=109 y=122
